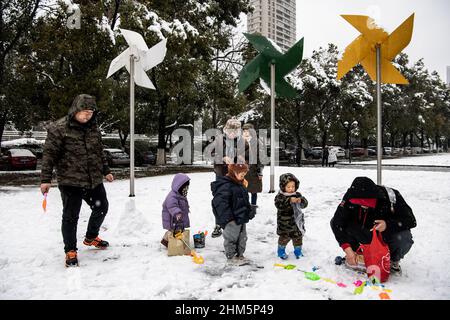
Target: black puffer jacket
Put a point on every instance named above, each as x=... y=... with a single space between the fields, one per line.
x=398 y=216
x=230 y=202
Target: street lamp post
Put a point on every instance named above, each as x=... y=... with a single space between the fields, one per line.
x=348 y=130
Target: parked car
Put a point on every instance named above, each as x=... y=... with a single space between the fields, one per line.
x=357 y=152
x=313 y=153
x=17 y=159
x=372 y=150
x=388 y=151
x=283 y=154
x=308 y=153
x=117 y=157
x=407 y=150
x=145 y=157
x=397 y=150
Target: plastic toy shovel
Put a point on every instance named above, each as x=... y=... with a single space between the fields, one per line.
x=44 y=202
x=195 y=257
x=287 y=267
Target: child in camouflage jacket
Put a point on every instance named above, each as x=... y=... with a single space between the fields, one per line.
x=290 y=218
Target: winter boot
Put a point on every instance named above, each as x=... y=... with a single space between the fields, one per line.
x=235 y=261
x=396 y=270
x=217 y=232
x=282 y=252
x=97 y=242
x=71 y=259
x=298 y=252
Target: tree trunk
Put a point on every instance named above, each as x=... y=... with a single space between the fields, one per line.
x=347 y=142
x=2 y=124
x=299 y=155
x=404 y=136
x=299 y=150
x=214 y=115
x=214 y=109
x=123 y=138
x=421 y=138
x=392 y=142
x=161 y=156
x=364 y=145
x=324 y=138
x=115 y=14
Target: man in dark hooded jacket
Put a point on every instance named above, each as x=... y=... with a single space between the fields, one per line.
x=74 y=148
x=366 y=206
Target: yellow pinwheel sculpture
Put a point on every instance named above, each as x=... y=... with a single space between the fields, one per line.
x=363 y=49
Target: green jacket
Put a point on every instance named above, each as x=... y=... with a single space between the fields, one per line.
x=75 y=150
x=285 y=214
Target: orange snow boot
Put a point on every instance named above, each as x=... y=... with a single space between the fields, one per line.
x=97 y=242
x=71 y=259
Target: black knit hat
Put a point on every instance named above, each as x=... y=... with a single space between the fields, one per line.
x=363 y=187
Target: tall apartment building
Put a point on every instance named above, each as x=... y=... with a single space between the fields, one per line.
x=448 y=76
x=274 y=19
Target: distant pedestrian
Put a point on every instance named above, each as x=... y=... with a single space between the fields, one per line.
x=255 y=173
x=332 y=157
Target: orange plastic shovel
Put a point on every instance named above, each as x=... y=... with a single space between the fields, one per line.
x=195 y=257
x=44 y=202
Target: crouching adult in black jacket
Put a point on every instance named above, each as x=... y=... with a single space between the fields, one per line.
x=233 y=210
x=366 y=206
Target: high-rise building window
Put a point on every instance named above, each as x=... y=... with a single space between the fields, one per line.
x=278 y=20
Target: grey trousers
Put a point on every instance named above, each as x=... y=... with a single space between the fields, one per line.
x=235 y=239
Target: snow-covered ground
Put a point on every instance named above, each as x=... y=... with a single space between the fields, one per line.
x=440 y=159
x=136 y=266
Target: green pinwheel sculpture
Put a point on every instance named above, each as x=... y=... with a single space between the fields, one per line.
x=269 y=55
x=271 y=66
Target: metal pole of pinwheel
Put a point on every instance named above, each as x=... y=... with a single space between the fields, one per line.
x=271 y=66
x=375 y=49
x=137 y=59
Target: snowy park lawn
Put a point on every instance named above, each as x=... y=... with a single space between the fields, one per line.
x=440 y=159
x=137 y=267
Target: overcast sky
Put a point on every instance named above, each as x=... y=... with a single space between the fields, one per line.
x=319 y=21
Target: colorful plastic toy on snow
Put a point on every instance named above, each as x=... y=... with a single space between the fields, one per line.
x=285 y=266
x=195 y=257
x=44 y=202
x=199 y=239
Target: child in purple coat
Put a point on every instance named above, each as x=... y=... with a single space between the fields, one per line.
x=175 y=211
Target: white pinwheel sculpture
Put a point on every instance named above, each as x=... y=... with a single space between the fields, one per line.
x=144 y=58
x=137 y=59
